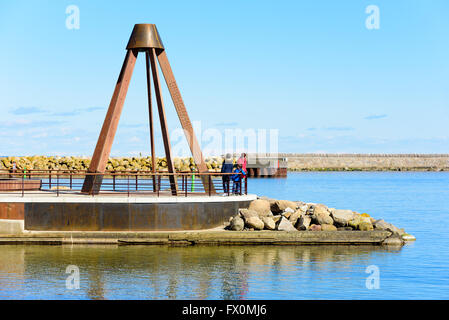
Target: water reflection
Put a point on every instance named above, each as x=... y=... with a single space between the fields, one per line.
x=161 y=272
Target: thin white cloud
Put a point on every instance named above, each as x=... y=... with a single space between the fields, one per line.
x=26 y=110
x=375 y=116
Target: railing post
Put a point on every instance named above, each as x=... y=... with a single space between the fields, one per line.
x=158 y=184
x=246 y=185
x=136 y=180
x=113 y=181
x=23 y=187
x=240 y=185
x=186 y=187
x=128 y=184
x=71 y=178
x=49 y=180
x=210 y=182
x=57 y=184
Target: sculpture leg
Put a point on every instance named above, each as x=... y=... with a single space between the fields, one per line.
x=184 y=119
x=92 y=183
x=150 y=111
x=163 y=120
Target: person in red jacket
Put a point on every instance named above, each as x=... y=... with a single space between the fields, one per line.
x=242 y=161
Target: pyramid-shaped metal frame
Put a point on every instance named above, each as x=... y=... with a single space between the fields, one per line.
x=144 y=38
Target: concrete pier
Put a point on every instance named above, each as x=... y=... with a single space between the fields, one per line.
x=204 y=237
x=44 y=218
x=43 y=211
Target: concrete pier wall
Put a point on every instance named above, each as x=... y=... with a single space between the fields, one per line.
x=75 y=212
x=129 y=216
x=367 y=162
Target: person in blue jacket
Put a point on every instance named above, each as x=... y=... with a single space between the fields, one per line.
x=227 y=167
x=237 y=179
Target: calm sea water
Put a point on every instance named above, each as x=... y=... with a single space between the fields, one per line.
x=416 y=201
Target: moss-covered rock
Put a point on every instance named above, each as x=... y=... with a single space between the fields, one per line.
x=365 y=226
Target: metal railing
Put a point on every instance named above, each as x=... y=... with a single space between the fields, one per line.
x=121 y=183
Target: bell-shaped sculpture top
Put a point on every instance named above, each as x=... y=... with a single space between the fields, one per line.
x=145 y=36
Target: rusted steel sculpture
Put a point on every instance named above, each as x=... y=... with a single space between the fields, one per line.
x=145 y=38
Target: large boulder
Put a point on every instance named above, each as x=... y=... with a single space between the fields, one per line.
x=236 y=224
x=328 y=227
x=355 y=222
x=303 y=222
x=299 y=204
x=279 y=206
x=270 y=200
x=314 y=227
x=320 y=215
x=361 y=223
x=342 y=217
x=294 y=217
x=269 y=223
x=285 y=225
x=304 y=208
x=247 y=213
x=262 y=207
x=382 y=225
x=365 y=226
x=365 y=219
x=316 y=208
x=288 y=212
x=255 y=223
x=394 y=241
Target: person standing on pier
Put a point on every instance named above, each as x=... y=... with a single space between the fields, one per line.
x=237 y=178
x=227 y=167
x=243 y=161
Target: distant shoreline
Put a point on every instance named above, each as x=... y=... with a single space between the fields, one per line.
x=296 y=162
x=367 y=162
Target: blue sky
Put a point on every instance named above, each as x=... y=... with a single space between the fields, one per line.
x=310 y=69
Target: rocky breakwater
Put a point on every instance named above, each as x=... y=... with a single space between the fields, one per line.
x=367 y=162
x=114 y=164
x=297 y=216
